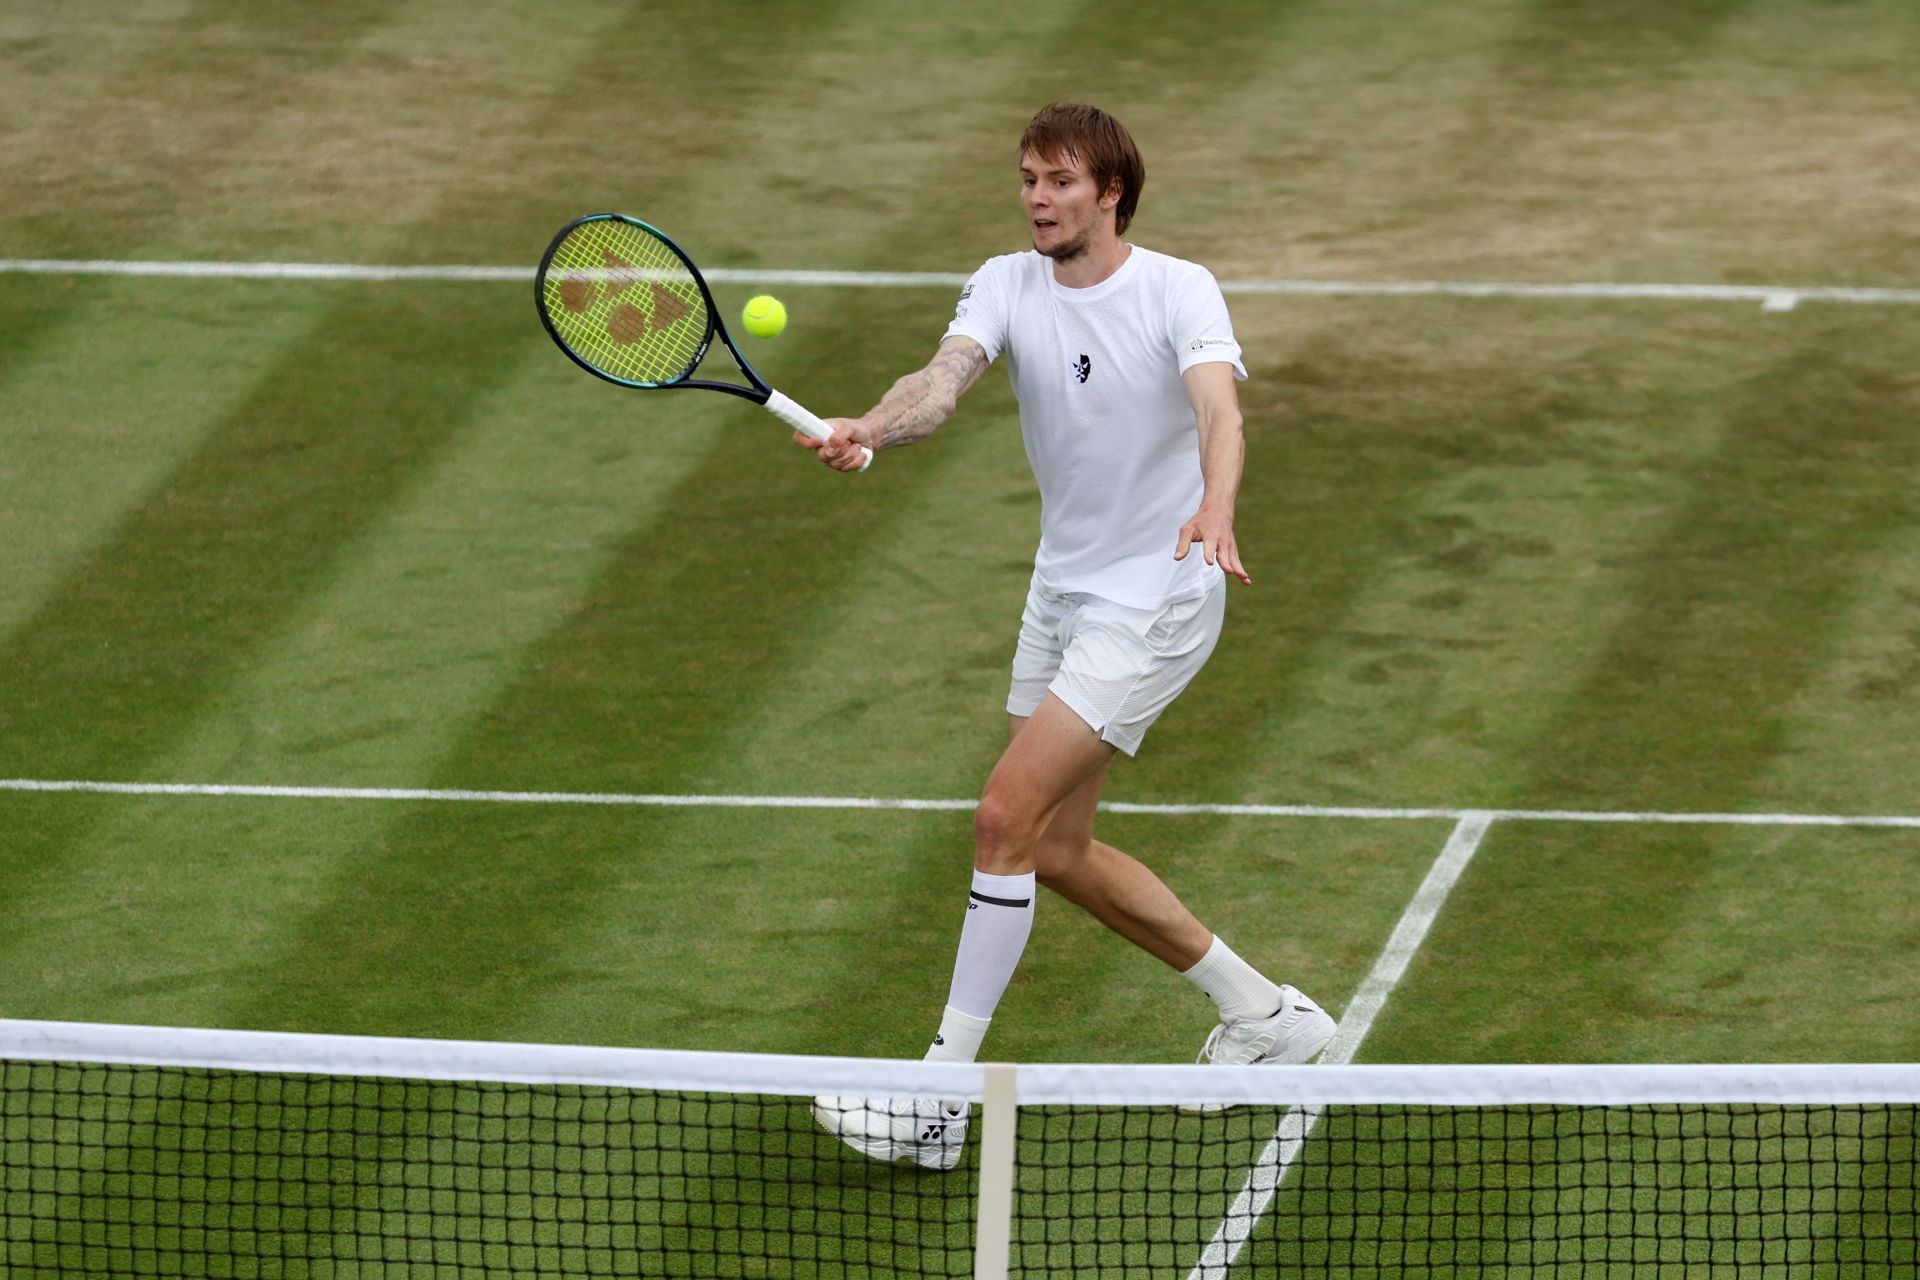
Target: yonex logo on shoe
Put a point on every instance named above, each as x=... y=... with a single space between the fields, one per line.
x=933 y=1133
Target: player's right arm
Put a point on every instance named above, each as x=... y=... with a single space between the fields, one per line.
x=910 y=412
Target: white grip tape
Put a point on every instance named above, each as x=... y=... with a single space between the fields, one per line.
x=805 y=422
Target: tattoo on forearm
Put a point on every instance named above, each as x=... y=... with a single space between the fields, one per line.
x=921 y=401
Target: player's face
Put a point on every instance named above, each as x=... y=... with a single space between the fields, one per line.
x=1064 y=208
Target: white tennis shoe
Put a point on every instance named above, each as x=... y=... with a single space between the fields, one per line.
x=920 y=1131
x=1294 y=1035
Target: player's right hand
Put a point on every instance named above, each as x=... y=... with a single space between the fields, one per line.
x=842 y=452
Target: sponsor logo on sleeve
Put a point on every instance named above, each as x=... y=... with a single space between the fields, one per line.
x=1201 y=344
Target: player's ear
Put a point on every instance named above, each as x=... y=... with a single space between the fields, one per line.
x=1110 y=198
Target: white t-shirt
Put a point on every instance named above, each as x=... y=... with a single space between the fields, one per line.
x=1108 y=426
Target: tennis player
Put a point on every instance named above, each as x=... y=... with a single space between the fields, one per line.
x=1124 y=362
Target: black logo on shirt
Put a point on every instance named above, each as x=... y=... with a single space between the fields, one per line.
x=1081 y=367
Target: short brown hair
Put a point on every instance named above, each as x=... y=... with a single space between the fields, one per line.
x=1088 y=134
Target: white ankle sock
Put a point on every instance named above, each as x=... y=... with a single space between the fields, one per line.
x=959 y=1038
x=1233 y=984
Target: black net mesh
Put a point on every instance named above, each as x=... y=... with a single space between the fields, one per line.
x=149 y=1171
x=1721 y=1190
x=110 y=1170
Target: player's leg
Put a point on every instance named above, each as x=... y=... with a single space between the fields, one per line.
x=1115 y=888
x=1124 y=894
x=1122 y=669
x=1038 y=772
x=1260 y=1020
x=1054 y=759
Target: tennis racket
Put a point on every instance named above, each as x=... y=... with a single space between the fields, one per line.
x=628 y=305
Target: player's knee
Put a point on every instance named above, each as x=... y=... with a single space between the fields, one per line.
x=1002 y=829
x=993 y=821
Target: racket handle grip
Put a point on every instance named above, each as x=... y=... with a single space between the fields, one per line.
x=806 y=423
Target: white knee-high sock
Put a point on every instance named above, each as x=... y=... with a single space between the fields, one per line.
x=999 y=918
x=1239 y=989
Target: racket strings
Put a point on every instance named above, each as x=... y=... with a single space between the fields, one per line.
x=624 y=302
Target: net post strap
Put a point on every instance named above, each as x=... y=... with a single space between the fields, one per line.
x=993 y=1229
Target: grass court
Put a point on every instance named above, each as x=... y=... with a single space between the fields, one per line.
x=1641 y=557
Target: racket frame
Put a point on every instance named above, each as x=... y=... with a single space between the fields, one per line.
x=759 y=390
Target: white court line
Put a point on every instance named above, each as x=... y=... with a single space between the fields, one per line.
x=1290 y=1138
x=1771 y=297
x=619 y=799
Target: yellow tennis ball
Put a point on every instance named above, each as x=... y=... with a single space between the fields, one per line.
x=764 y=316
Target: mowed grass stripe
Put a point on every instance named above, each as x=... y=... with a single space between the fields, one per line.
x=1733 y=615
x=80 y=448
x=654 y=681
x=246 y=95
x=121 y=666
x=376 y=404
x=380 y=668
x=139 y=635
x=1501 y=502
x=1738 y=606
x=130 y=372
x=1736 y=615
x=1558 y=44
x=1783 y=172
x=130 y=123
x=1862 y=697
x=1295 y=170
x=1564 y=944
x=1520 y=141
x=135 y=124
x=1797 y=912
x=1337 y=463
x=123 y=659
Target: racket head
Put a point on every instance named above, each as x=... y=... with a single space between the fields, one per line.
x=624 y=301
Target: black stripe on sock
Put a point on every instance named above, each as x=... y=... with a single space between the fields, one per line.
x=998 y=902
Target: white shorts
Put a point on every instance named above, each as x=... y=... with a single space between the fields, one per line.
x=1116 y=666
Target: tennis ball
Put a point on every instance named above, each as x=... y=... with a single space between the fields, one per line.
x=764 y=316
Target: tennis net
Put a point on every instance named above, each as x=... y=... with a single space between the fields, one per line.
x=136 y=1151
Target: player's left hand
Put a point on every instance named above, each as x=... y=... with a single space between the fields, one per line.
x=1214 y=532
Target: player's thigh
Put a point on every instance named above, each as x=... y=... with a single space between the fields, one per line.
x=1072 y=827
x=1052 y=757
